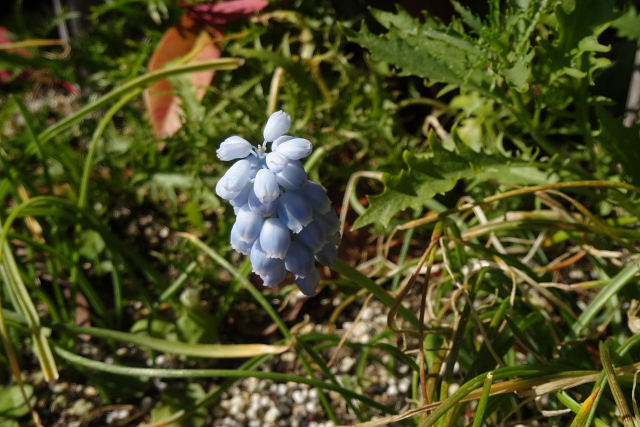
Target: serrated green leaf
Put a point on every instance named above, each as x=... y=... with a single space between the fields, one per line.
x=430 y=50
x=427 y=176
x=401 y=20
x=518 y=74
x=628 y=25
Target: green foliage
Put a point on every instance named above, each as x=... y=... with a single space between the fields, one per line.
x=116 y=256
x=436 y=173
x=525 y=75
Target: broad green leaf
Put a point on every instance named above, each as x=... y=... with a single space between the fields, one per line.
x=12 y=404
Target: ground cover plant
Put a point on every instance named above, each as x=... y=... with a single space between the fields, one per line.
x=482 y=158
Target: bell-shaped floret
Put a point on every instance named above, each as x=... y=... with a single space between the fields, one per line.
x=248 y=224
x=234 y=147
x=264 y=209
x=295 y=148
x=329 y=222
x=327 y=255
x=280 y=140
x=278 y=123
x=313 y=236
x=294 y=212
x=275 y=276
x=299 y=259
x=293 y=176
x=316 y=195
x=243 y=198
x=265 y=186
x=275 y=238
x=276 y=161
x=309 y=282
x=238 y=244
x=234 y=180
x=260 y=262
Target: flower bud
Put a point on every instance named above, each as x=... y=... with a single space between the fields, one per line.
x=241 y=199
x=260 y=262
x=327 y=255
x=278 y=123
x=280 y=140
x=248 y=224
x=234 y=180
x=309 y=282
x=275 y=276
x=274 y=238
x=294 y=212
x=264 y=209
x=239 y=245
x=313 y=236
x=293 y=176
x=276 y=161
x=234 y=147
x=299 y=259
x=295 y=148
x=316 y=196
x=266 y=186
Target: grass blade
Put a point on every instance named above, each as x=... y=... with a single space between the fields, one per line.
x=605 y=294
x=25 y=306
x=213 y=351
x=139 y=82
x=209 y=373
x=482 y=403
x=618 y=396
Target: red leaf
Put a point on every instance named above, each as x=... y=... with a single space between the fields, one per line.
x=223 y=12
x=162 y=104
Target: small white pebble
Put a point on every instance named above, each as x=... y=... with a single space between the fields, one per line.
x=404 y=384
x=347 y=363
x=311 y=407
x=271 y=415
x=392 y=390
x=265 y=401
x=282 y=389
x=297 y=396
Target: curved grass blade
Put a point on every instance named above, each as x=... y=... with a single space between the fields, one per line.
x=213 y=351
x=25 y=306
x=209 y=373
x=139 y=82
x=605 y=294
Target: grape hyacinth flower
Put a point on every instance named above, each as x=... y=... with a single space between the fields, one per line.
x=284 y=221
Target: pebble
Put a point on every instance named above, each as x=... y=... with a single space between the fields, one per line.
x=253 y=402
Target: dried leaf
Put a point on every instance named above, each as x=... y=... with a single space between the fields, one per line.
x=181 y=43
x=633 y=319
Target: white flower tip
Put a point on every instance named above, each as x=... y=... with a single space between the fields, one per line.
x=277 y=124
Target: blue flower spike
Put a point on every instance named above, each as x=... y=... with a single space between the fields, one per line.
x=284 y=221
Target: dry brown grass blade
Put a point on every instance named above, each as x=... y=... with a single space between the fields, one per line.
x=618 y=396
x=539 y=385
